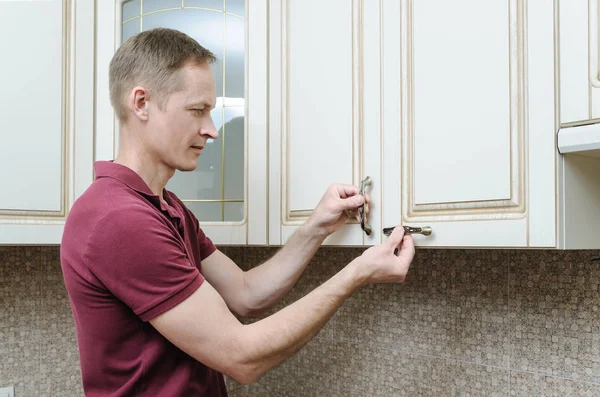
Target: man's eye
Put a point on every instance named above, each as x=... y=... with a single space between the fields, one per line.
x=199 y=111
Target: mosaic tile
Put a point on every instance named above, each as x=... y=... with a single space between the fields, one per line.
x=60 y=373
x=329 y=368
x=20 y=366
x=453 y=304
x=19 y=294
x=523 y=384
x=554 y=304
x=56 y=315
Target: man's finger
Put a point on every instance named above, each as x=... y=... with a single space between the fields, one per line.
x=344 y=191
x=395 y=238
x=407 y=250
x=352 y=203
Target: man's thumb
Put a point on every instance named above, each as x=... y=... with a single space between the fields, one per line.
x=396 y=237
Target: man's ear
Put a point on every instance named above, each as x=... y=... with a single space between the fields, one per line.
x=138 y=102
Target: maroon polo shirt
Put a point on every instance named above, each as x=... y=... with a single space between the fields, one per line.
x=127 y=257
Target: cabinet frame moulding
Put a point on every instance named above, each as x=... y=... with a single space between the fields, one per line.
x=593 y=42
x=513 y=207
x=297 y=217
x=32 y=217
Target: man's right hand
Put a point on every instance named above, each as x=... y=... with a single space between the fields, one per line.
x=379 y=264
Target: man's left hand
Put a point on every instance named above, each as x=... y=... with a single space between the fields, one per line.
x=338 y=204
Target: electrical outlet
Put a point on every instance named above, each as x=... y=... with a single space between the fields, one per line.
x=7 y=392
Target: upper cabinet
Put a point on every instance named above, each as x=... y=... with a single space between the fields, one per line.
x=450 y=107
x=323 y=96
x=578 y=62
x=469 y=121
x=46 y=123
x=455 y=110
x=227 y=191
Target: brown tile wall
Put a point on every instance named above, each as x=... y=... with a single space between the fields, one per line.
x=465 y=323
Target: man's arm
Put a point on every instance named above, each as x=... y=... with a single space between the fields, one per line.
x=216 y=338
x=251 y=293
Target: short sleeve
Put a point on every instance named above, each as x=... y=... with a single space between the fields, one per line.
x=206 y=245
x=139 y=258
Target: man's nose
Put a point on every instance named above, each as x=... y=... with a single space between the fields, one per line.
x=210 y=130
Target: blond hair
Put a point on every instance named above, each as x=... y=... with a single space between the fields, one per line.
x=153 y=59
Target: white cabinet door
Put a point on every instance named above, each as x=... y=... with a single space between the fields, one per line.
x=324 y=105
x=469 y=121
x=235 y=215
x=46 y=123
x=578 y=58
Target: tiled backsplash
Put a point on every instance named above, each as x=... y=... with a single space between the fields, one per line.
x=465 y=322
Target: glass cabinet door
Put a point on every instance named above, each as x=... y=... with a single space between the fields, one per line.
x=214 y=191
x=228 y=191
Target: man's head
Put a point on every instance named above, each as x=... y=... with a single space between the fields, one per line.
x=162 y=88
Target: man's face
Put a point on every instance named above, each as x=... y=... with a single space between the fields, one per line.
x=178 y=133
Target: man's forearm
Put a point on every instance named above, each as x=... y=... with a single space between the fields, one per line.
x=269 y=282
x=271 y=340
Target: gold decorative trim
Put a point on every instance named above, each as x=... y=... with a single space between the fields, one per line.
x=580 y=123
x=513 y=207
x=295 y=217
x=9 y=214
x=182 y=7
x=223 y=113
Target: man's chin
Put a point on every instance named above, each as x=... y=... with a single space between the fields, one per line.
x=187 y=168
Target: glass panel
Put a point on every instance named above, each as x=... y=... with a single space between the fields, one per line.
x=130 y=28
x=236 y=7
x=206 y=212
x=214 y=4
x=234 y=57
x=223 y=160
x=130 y=9
x=234 y=152
x=155 y=5
x=234 y=212
x=201 y=25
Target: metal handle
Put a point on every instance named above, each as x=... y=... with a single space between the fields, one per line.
x=361 y=210
x=425 y=230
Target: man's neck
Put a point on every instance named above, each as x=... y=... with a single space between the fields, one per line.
x=154 y=173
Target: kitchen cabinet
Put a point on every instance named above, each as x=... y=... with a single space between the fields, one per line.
x=46 y=128
x=324 y=110
x=473 y=151
x=577 y=59
x=227 y=192
x=451 y=107
x=478 y=120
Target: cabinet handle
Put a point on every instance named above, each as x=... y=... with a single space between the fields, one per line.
x=361 y=210
x=425 y=230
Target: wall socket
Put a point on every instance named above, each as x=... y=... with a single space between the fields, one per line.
x=7 y=392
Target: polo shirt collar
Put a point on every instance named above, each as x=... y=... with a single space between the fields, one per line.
x=125 y=175
x=131 y=179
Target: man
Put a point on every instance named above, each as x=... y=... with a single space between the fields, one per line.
x=151 y=296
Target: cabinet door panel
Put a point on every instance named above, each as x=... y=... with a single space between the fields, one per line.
x=32 y=99
x=46 y=130
x=476 y=118
x=463 y=132
x=578 y=57
x=315 y=111
x=459 y=103
x=231 y=190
